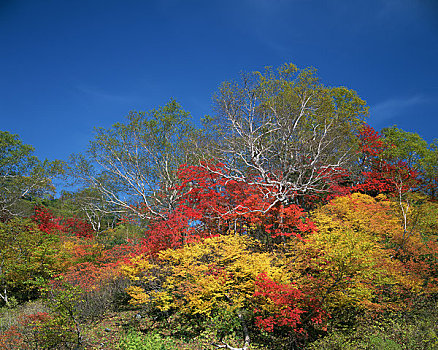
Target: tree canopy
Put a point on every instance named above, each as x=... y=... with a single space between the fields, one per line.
x=22 y=175
x=285 y=132
x=285 y=220
x=133 y=164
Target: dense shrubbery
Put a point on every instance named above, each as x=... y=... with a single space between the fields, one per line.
x=291 y=224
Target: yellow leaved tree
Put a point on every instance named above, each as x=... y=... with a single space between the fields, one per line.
x=213 y=277
x=350 y=259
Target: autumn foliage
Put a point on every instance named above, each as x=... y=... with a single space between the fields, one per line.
x=230 y=246
x=239 y=256
x=48 y=223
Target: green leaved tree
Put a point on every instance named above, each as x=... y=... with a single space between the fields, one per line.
x=23 y=176
x=133 y=164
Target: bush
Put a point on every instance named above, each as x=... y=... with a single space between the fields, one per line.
x=151 y=341
x=415 y=329
x=9 y=316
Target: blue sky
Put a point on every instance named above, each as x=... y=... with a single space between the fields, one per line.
x=68 y=66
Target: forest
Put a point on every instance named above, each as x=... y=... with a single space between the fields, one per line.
x=281 y=221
